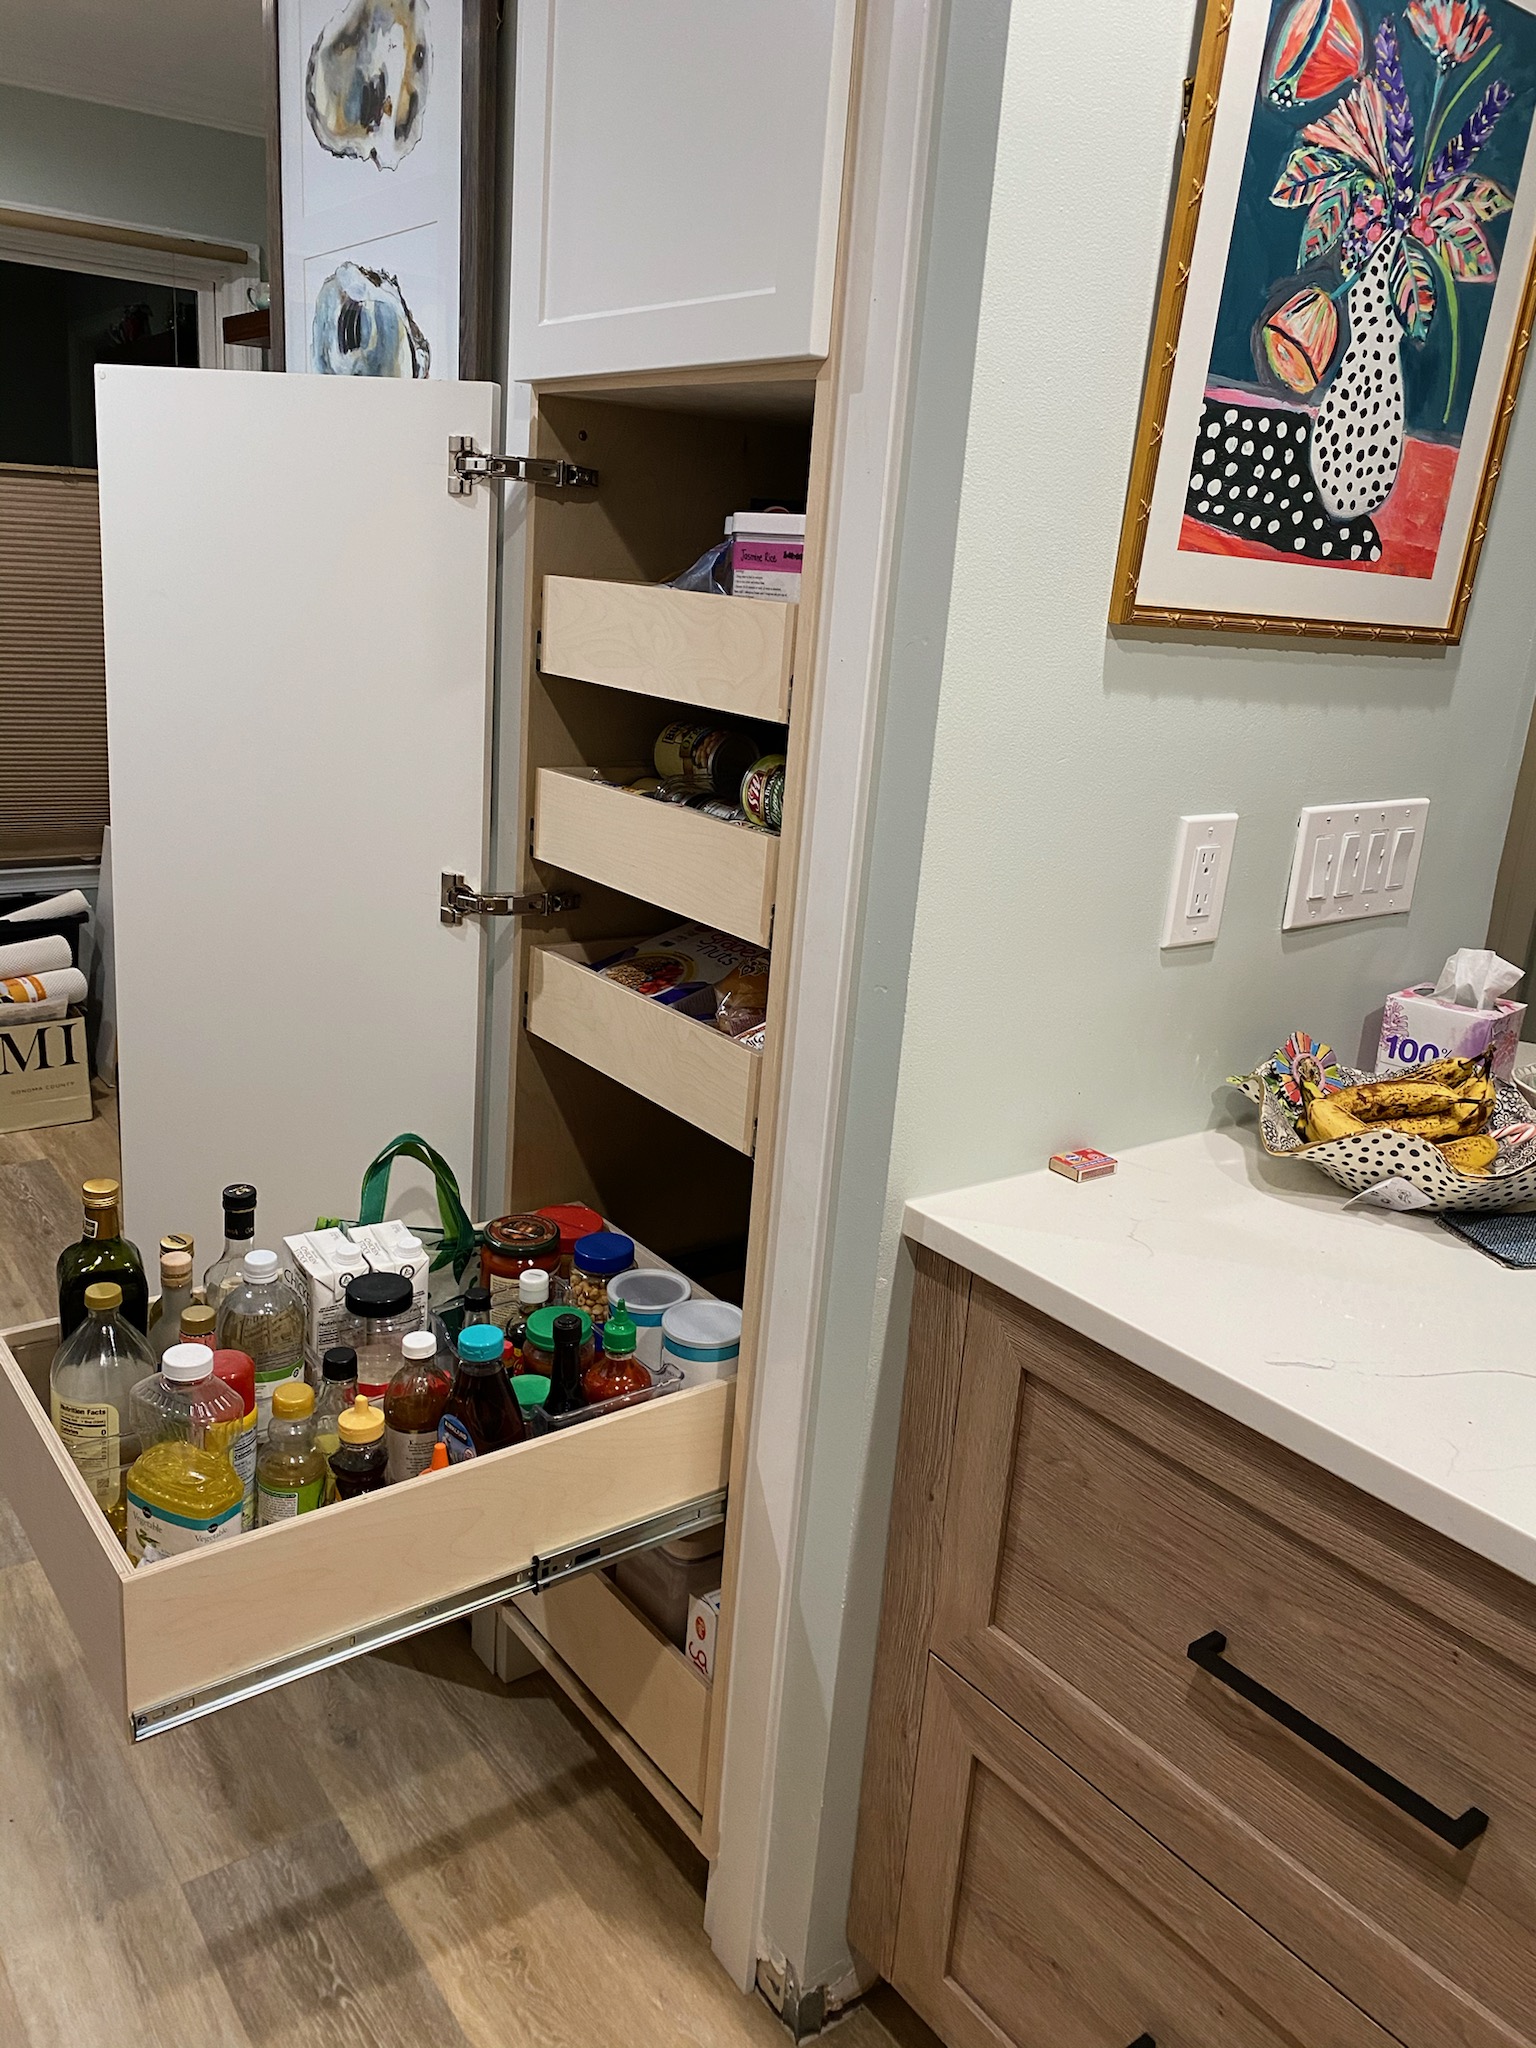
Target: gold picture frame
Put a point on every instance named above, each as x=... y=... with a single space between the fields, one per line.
x=1131 y=604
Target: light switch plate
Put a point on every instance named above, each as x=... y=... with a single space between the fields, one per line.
x=1355 y=860
x=1202 y=859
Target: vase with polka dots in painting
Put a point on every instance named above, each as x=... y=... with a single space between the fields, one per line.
x=1357 y=441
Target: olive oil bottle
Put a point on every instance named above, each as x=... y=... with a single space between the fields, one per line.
x=101 y=1253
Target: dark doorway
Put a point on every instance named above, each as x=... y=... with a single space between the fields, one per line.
x=55 y=327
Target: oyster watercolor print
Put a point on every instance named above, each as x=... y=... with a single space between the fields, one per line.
x=1356 y=290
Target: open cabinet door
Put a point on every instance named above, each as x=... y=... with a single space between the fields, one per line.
x=676 y=184
x=298 y=640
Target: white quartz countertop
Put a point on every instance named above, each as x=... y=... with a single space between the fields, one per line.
x=1379 y=1346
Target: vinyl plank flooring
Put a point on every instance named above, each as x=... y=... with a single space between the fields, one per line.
x=14 y=1547
x=13 y=2028
x=312 y=1953
x=220 y=1788
x=38 y=1217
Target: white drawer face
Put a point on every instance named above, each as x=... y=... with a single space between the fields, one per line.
x=180 y=1638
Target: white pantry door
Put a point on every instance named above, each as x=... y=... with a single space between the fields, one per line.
x=298 y=637
x=677 y=179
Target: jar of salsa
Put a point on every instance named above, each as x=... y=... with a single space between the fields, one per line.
x=573 y=1220
x=514 y=1243
x=539 y=1340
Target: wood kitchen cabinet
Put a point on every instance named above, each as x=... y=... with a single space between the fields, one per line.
x=1159 y=1704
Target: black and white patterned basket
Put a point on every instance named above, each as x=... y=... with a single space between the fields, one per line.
x=1366 y=1158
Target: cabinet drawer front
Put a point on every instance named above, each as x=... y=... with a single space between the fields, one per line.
x=705 y=868
x=692 y=647
x=179 y=1637
x=1038 y=1915
x=681 y=1062
x=1075 y=1546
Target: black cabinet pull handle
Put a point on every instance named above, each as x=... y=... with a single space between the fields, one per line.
x=1459 y=1829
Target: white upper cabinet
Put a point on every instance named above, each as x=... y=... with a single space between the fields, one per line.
x=298 y=633
x=677 y=177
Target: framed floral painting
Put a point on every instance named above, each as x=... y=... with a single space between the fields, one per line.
x=1345 y=311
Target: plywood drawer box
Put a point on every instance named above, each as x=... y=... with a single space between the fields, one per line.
x=645 y=1682
x=703 y=868
x=681 y=1062
x=1100 y=1526
x=1042 y=1916
x=731 y=654
x=175 y=1638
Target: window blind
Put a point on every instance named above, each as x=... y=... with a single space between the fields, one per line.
x=53 y=686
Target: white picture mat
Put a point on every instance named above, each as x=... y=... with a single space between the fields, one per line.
x=347 y=207
x=1228 y=583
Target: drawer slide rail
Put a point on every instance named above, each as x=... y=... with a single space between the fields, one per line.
x=588 y=1556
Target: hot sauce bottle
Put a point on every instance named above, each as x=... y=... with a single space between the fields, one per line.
x=618 y=1374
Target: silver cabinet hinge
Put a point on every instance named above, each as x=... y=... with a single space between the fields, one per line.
x=469 y=465
x=459 y=901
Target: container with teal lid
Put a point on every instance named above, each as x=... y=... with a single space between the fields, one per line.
x=702 y=1339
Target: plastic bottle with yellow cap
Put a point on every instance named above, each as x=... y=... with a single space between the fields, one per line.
x=291 y=1471
x=360 y=1462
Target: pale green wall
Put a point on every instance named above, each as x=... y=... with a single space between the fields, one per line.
x=1024 y=995
x=72 y=156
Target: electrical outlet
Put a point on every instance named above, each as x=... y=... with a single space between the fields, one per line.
x=1202 y=857
x=1355 y=860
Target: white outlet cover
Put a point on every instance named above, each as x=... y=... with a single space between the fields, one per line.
x=1202 y=860
x=1355 y=860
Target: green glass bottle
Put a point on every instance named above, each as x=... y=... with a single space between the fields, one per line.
x=103 y=1253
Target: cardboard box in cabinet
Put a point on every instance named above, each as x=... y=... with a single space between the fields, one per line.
x=45 y=1075
x=662 y=1584
x=703 y=1628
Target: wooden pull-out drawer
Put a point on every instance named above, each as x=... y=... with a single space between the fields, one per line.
x=1099 y=1526
x=179 y=1638
x=1036 y=1915
x=703 y=868
x=681 y=1062
x=694 y=647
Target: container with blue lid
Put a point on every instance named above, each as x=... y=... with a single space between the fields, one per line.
x=596 y=1260
x=702 y=1339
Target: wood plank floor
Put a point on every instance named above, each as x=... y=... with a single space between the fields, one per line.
x=398 y=1853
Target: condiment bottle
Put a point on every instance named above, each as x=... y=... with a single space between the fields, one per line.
x=197 y=1325
x=618 y=1375
x=482 y=1412
x=381 y=1313
x=290 y=1473
x=532 y=1293
x=515 y=1242
x=263 y=1317
x=565 y=1395
x=360 y=1463
x=238 y=1373
x=477 y=1305
x=414 y=1402
x=90 y=1384
x=439 y=1458
x=175 y=1295
x=239 y=1238
x=597 y=1259
x=338 y=1390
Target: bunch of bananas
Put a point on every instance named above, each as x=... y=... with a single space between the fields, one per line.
x=1449 y=1103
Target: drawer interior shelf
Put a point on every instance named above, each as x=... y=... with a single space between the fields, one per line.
x=680 y=1062
x=173 y=1641
x=722 y=874
x=731 y=654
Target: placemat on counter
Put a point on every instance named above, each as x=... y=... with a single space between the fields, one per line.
x=1505 y=1236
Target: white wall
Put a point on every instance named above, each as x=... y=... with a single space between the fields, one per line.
x=72 y=156
x=1036 y=1009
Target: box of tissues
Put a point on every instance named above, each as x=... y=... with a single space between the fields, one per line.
x=1461 y=1016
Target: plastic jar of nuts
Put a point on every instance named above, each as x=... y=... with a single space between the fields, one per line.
x=595 y=1261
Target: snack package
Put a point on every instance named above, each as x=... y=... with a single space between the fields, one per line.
x=684 y=967
x=741 y=1001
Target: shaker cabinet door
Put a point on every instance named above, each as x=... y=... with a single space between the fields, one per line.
x=677 y=178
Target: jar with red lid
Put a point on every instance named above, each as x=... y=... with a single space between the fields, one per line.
x=514 y=1243
x=573 y=1220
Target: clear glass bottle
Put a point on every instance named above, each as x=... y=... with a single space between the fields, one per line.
x=175 y=1295
x=185 y=1399
x=381 y=1313
x=263 y=1317
x=291 y=1474
x=532 y=1293
x=223 y=1276
x=198 y=1324
x=101 y=1253
x=477 y=1305
x=338 y=1390
x=90 y=1396
x=414 y=1404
